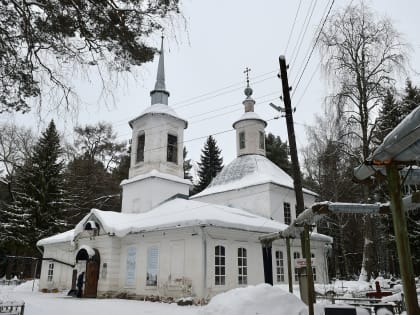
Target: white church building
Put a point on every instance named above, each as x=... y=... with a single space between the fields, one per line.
x=165 y=244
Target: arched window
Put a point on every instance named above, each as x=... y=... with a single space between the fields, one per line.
x=279 y=266
x=219 y=265
x=242 y=266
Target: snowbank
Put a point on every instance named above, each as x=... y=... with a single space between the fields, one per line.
x=262 y=299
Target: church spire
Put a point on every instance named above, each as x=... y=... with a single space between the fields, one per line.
x=159 y=94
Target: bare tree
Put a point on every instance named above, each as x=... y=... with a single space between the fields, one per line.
x=15 y=146
x=43 y=43
x=360 y=54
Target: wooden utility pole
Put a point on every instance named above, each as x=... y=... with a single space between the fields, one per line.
x=297 y=180
x=401 y=238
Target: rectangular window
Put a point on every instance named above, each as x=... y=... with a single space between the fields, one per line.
x=50 y=272
x=140 y=148
x=279 y=266
x=262 y=140
x=313 y=268
x=152 y=265
x=296 y=255
x=172 y=155
x=287 y=213
x=242 y=266
x=242 y=140
x=219 y=265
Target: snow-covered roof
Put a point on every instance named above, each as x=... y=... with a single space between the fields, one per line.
x=249 y=116
x=179 y=213
x=58 y=238
x=248 y=170
x=155 y=173
x=159 y=109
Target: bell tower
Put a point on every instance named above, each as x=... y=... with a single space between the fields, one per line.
x=156 y=163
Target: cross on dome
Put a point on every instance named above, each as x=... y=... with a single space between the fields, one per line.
x=248 y=90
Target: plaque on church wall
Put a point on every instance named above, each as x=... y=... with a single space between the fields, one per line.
x=130 y=276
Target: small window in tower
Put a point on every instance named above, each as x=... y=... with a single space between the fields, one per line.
x=172 y=155
x=242 y=140
x=287 y=213
x=262 y=140
x=140 y=148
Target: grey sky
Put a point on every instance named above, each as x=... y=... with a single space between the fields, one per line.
x=222 y=38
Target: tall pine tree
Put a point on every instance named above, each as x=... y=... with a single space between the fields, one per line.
x=39 y=195
x=277 y=152
x=211 y=163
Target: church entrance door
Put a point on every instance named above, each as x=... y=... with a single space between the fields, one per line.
x=91 y=270
x=92 y=275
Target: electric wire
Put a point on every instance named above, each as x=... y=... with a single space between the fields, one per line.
x=293 y=27
x=309 y=46
x=303 y=37
x=313 y=48
x=301 y=31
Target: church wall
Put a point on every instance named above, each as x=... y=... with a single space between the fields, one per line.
x=156 y=128
x=255 y=199
x=232 y=240
x=279 y=195
x=179 y=261
x=62 y=274
x=109 y=252
x=251 y=130
x=317 y=249
x=143 y=195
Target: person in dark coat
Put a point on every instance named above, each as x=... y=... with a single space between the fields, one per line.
x=79 y=284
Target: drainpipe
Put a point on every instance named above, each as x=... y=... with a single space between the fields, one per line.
x=204 y=239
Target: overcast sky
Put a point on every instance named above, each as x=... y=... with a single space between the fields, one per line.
x=205 y=64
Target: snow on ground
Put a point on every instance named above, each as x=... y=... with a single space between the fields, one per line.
x=261 y=299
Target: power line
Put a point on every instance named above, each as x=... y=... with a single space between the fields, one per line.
x=307 y=85
x=293 y=27
x=309 y=46
x=313 y=47
x=303 y=37
x=301 y=30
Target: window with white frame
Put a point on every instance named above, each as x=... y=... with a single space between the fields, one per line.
x=219 y=265
x=50 y=272
x=242 y=266
x=242 y=140
x=313 y=268
x=152 y=265
x=296 y=255
x=172 y=150
x=279 y=266
x=287 y=213
x=140 y=148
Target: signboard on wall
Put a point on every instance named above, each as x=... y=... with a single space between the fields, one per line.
x=130 y=275
x=301 y=262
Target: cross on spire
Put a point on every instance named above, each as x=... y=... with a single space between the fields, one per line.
x=247 y=70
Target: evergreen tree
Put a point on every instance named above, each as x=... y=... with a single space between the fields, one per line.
x=39 y=195
x=211 y=163
x=277 y=152
x=411 y=99
x=390 y=114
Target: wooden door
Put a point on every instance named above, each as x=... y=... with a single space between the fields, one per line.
x=91 y=284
